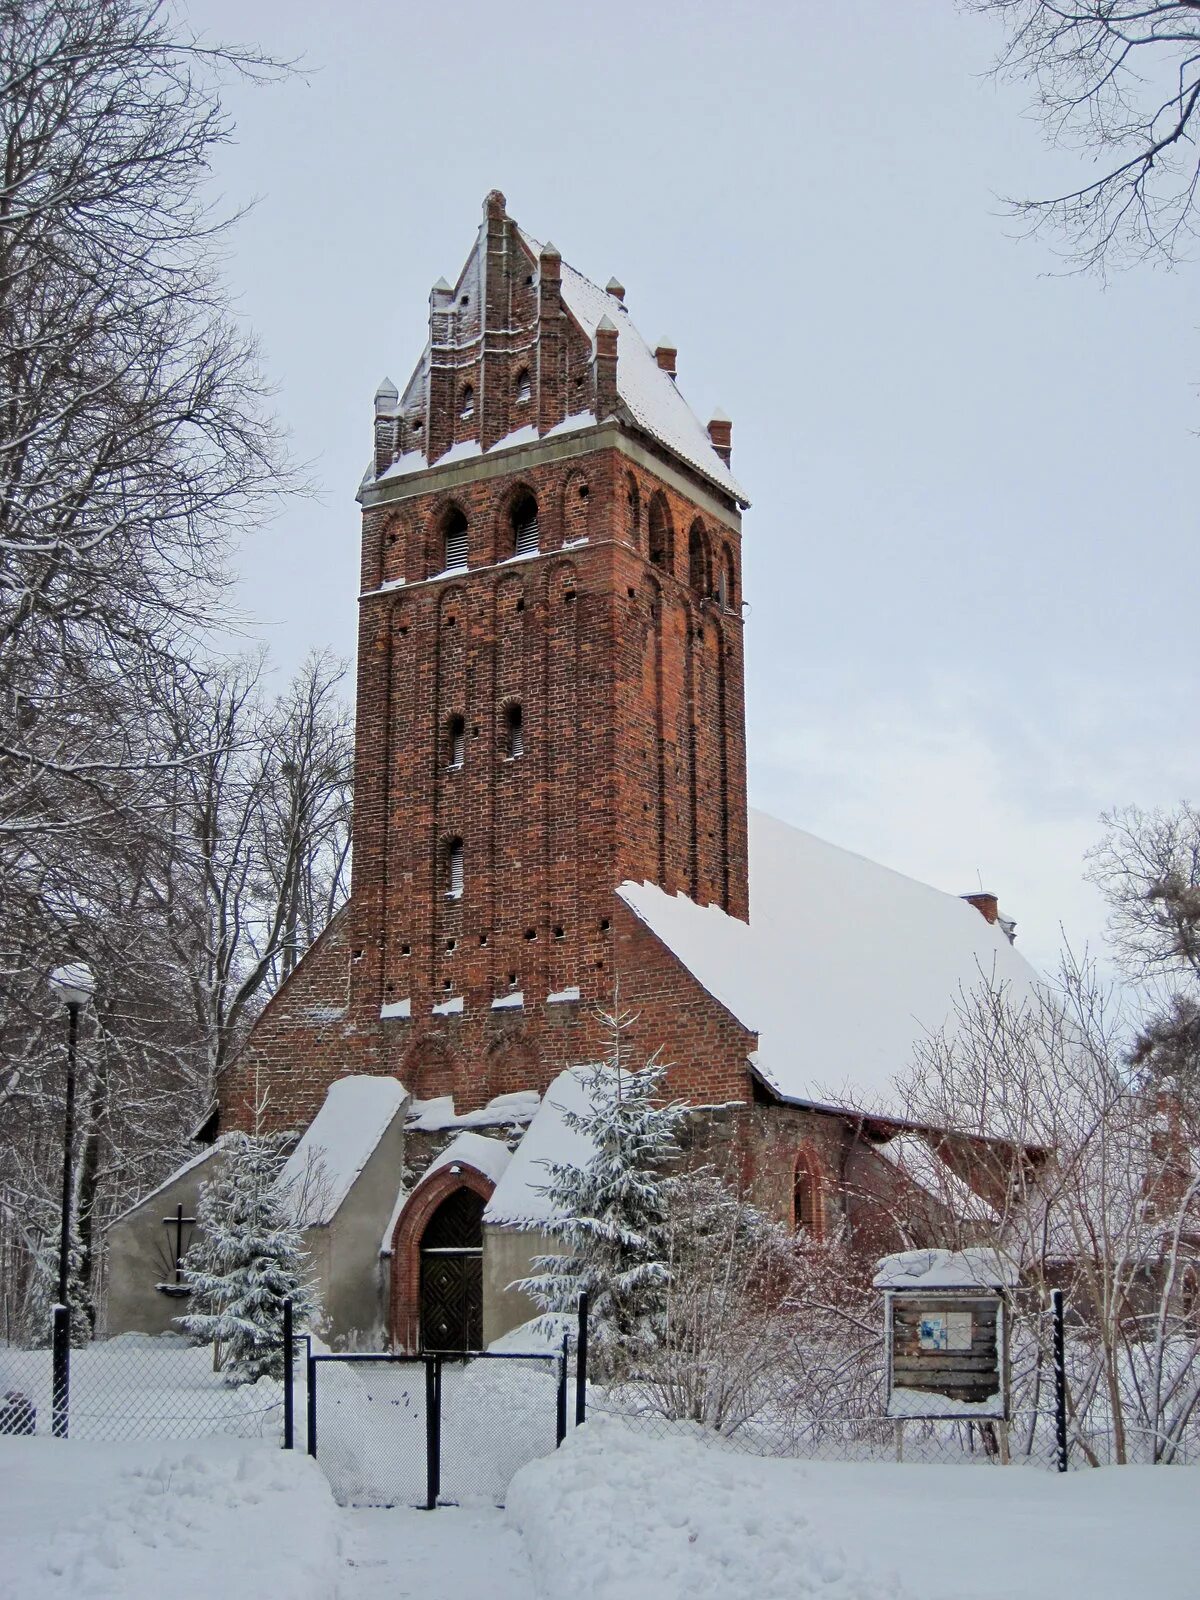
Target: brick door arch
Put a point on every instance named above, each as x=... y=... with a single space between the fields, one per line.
x=426 y=1198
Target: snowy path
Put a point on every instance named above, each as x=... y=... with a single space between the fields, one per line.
x=402 y=1554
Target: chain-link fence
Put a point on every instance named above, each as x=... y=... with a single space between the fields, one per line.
x=133 y=1387
x=827 y=1400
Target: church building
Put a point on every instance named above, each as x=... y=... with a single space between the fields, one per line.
x=550 y=811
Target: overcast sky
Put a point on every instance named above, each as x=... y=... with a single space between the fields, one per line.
x=970 y=554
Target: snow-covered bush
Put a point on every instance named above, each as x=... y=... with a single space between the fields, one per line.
x=249 y=1257
x=610 y=1215
x=765 y=1336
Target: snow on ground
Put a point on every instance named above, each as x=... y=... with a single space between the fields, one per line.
x=131 y=1521
x=616 y=1515
x=415 y=1555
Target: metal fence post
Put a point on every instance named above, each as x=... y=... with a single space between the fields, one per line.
x=1060 y=1381
x=311 y=1382
x=581 y=1359
x=433 y=1431
x=289 y=1415
x=61 y=1358
x=560 y=1421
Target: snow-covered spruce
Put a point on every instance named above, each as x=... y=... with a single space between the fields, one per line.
x=248 y=1259
x=610 y=1213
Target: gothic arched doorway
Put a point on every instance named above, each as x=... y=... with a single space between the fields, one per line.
x=452 y=1274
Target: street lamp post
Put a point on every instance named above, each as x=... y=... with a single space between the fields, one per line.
x=73 y=985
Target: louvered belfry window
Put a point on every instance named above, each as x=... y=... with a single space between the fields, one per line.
x=454 y=870
x=456 y=541
x=525 y=527
x=515 y=723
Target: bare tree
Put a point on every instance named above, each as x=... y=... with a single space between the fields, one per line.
x=260 y=839
x=1093 y=1177
x=1119 y=81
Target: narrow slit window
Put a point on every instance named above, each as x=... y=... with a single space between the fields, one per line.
x=526 y=534
x=523 y=388
x=467 y=406
x=514 y=732
x=456 y=742
x=456 y=542
x=454 y=870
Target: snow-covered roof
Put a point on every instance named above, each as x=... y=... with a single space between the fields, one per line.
x=341 y=1137
x=488 y=1156
x=843 y=966
x=977 y=1267
x=517 y=1201
x=198 y=1160
x=431 y=1116
x=910 y=1154
x=651 y=395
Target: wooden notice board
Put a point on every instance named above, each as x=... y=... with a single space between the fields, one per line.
x=947 y=1354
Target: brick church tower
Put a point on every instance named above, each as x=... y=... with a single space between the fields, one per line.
x=550 y=800
x=550 y=685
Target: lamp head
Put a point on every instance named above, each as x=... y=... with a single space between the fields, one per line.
x=72 y=984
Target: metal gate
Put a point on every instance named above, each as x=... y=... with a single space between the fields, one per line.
x=419 y=1430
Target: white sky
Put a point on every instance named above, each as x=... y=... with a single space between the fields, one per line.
x=971 y=624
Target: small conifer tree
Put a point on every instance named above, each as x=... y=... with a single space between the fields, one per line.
x=248 y=1258
x=610 y=1214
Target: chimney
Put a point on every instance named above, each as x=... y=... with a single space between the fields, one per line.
x=665 y=352
x=615 y=288
x=987 y=905
x=387 y=397
x=606 y=367
x=720 y=432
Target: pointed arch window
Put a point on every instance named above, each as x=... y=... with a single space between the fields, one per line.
x=698 y=574
x=454 y=869
x=728 y=580
x=467 y=401
x=633 y=508
x=455 y=552
x=526 y=533
x=661 y=535
x=806 y=1196
x=523 y=387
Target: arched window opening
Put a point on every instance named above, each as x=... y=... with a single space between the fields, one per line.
x=806 y=1199
x=661 y=534
x=467 y=401
x=1189 y=1297
x=456 y=542
x=514 y=732
x=523 y=387
x=728 y=580
x=454 y=869
x=632 y=508
x=526 y=534
x=456 y=742
x=698 y=574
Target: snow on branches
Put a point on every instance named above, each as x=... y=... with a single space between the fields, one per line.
x=610 y=1214
x=248 y=1259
